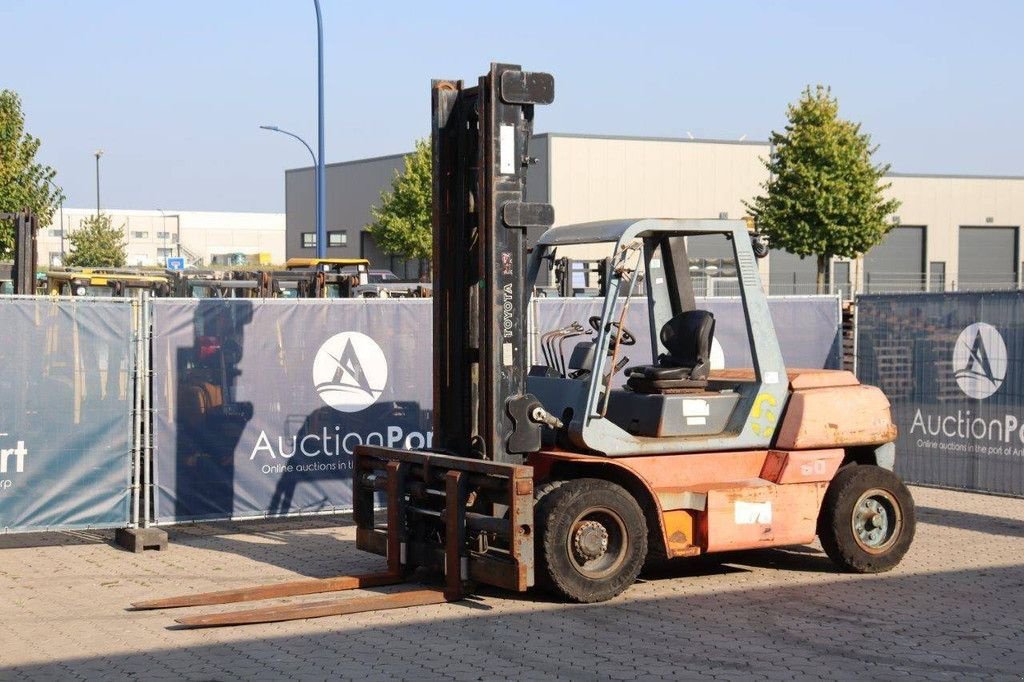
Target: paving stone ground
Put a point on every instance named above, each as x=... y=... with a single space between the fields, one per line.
x=953 y=610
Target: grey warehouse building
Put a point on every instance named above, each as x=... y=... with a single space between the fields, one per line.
x=951 y=233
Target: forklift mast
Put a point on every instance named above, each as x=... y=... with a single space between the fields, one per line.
x=480 y=142
x=592 y=272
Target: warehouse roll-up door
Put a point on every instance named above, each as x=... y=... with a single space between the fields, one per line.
x=988 y=258
x=897 y=263
x=712 y=265
x=789 y=274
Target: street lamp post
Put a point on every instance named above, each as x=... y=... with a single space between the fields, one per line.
x=321 y=182
x=99 y=153
x=316 y=180
x=319 y=174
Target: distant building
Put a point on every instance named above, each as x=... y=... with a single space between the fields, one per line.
x=353 y=187
x=201 y=237
x=952 y=232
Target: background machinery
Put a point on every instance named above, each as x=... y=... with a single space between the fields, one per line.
x=195 y=283
x=22 y=272
x=108 y=282
x=578 y=277
x=336 y=278
x=557 y=474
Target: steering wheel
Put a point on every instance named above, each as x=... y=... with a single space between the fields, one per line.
x=627 y=338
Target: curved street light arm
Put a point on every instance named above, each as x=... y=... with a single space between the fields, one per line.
x=275 y=129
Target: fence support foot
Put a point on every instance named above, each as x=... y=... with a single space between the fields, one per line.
x=140 y=539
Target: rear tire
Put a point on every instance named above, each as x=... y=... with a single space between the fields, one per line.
x=867 y=522
x=591 y=539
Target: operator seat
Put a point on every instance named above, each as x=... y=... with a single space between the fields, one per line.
x=687 y=336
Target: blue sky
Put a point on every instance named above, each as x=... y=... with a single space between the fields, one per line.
x=173 y=91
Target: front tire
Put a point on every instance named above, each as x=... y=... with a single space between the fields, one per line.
x=867 y=522
x=592 y=539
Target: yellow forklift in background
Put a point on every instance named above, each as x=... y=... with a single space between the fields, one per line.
x=107 y=282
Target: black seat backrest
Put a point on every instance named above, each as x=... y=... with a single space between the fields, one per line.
x=687 y=336
x=582 y=355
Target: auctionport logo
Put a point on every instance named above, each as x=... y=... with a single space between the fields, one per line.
x=979 y=360
x=350 y=371
x=10 y=466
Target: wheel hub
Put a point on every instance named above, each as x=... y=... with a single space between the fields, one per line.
x=590 y=541
x=873 y=522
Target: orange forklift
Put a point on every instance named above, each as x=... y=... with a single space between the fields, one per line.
x=571 y=474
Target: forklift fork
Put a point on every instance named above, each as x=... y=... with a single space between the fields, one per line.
x=420 y=477
x=394 y=574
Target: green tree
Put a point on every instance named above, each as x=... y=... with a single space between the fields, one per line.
x=825 y=197
x=24 y=183
x=402 y=222
x=97 y=243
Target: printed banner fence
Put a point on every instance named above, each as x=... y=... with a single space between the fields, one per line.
x=952 y=366
x=258 y=405
x=67 y=392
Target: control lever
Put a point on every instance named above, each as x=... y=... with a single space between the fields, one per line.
x=615 y=370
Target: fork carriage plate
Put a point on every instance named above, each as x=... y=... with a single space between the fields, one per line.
x=444 y=510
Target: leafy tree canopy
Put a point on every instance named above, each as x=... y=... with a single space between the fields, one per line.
x=402 y=222
x=824 y=197
x=24 y=183
x=97 y=243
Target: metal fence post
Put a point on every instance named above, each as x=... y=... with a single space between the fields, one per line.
x=146 y=536
x=147 y=392
x=137 y=414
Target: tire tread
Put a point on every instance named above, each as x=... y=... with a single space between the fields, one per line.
x=552 y=502
x=834 y=530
